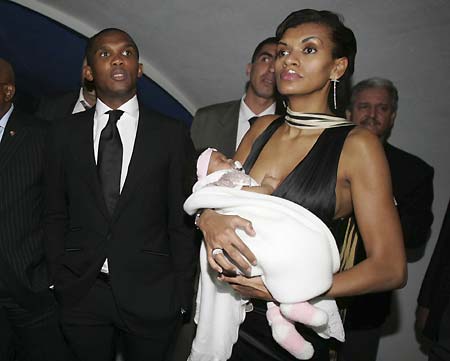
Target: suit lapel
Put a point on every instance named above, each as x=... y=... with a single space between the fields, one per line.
x=229 y=121
x=13 y=136
x=85 y=157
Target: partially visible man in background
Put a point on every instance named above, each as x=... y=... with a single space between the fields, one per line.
x=29 y=327
x=223 y=125
x=57 y=107
x=433 y=303
x=373 y=105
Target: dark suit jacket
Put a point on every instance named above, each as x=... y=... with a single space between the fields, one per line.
x=435 y=291
x=53 y=108
x=148 y=241
x=216 y=126
x=23 y=272
x=412 y=182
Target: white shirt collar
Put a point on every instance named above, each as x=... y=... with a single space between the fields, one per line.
x=4 y=119
x=131 y=107
x=79 y=107
x=81 y=96
x=247 y=113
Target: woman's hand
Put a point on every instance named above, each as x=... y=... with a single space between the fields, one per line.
x=248 y=287
x=219 y=233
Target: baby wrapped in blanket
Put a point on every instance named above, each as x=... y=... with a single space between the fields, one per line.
x=296 y=254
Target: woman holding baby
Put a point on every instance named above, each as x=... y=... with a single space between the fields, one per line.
x=321 y=162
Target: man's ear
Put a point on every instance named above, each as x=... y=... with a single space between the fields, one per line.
x=140 y=70
x=9 y=91
x=340 y=66
x=248 y=69
x=393 y=115
x=348 y=114
x=87 y=73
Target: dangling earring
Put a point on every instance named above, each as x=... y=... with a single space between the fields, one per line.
x=334 y=92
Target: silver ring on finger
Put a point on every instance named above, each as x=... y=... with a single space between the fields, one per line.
x=216 y=251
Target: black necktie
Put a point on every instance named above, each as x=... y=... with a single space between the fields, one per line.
x=252 y=120
x=109 y=161
x=85 y=105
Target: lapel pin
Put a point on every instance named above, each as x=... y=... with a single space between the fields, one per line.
x=12 y=133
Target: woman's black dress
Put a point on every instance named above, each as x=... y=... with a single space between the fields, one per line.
x=312 y=185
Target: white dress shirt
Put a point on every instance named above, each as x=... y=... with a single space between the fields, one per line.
x=4 y=121
x=245 y=113
x=127 y=126
x=79 y=107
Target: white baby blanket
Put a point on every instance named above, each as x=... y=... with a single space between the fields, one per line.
x=296 y=254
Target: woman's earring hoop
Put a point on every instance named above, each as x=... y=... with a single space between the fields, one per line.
x=335 y=81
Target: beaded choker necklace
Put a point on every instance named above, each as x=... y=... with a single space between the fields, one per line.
x=314 y=120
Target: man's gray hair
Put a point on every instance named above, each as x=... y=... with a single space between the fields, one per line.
x=375 y=83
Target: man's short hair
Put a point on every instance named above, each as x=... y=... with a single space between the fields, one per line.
x=271 y=40
x=89 y=52
x=372 y=83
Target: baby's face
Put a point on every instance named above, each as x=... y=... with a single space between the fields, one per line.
x=219 y=161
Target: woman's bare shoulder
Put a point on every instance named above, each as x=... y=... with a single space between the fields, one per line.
x=360 y=139
x=265 y=120
x=254 y=132
x=262 y=123
x=362 y=150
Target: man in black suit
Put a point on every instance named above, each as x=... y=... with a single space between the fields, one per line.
x=373 y=105
x=54 y=108
x=28 y=319
x=223 y=125
x=433 y=311
x=120 y=247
